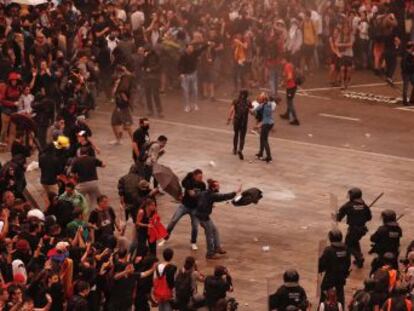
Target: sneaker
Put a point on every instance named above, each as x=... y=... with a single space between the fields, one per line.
x=212 y=257
x=284 y=116
x=187 y=109
x=221 y=251
x=389 y=81
x=241 y=157
x=254 y=132
x=258 y=155
x=267 y=160
x=162 y=242
x=196 y=108
x=294 y=122
x=194 y=247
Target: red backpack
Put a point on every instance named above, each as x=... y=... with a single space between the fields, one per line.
x=161 y=291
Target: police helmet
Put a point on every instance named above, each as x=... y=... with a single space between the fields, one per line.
x=354 y=193
x=388 y=216
x=291 y=275
x=335 y=235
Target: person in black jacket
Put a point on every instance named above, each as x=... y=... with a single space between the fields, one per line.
x=206 y=200
x=335 y=262
x=239 y=114
x=193 y=185
x=407 y=72
x=79 y=301
x=152 y=81
x=289 y=294
x=357 y=214
x=216 y=287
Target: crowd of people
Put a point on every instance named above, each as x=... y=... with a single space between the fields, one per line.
x=60 y=59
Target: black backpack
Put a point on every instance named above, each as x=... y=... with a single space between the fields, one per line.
x=183 y=287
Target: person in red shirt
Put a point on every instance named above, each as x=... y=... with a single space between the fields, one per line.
x=290 y=83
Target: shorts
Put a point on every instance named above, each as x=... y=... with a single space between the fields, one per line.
x=346 y=61
x=121 y=117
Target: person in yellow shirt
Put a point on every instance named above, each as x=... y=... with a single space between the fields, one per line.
x=239 y=57
x=309 y=39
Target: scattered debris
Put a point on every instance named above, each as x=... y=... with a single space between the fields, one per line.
x=372 y=97
x=310 y=135
x=212 y=164
x=266 y=248
x=367 y=135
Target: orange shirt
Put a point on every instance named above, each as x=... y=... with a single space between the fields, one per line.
x=289 y=74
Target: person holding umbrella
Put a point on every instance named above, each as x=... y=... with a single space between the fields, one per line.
x=206 y=200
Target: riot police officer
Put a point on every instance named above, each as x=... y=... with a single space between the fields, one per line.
x=387 y=237
x=289 y=294
x=357 y=214
x=335 y=262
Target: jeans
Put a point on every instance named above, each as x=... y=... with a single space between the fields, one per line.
x=238 y=76
x=274 y=73
x=152 y=92
x=290 y=95
x=165 y=306
x=264 y=140
x=90 y=190
x=189 y=84
x=240 y=131
x=180 y=212
x=407 y=79
x=212 y=236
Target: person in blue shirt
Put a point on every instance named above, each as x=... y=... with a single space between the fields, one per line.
x=266 y=108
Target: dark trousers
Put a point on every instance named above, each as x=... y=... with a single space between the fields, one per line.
x=407 y=80
x=152 y=92
x=240 y=131
x=264 y=140
x=144 y=247
x=353 y=236
x=290 y=95
x=148 y=175
x=390 y=57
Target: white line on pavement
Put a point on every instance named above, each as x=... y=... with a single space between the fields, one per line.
x=350 y=87
x=333 y=116
x=296 y=142
x=410 y=109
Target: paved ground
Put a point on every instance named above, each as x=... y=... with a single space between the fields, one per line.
x=326 y=154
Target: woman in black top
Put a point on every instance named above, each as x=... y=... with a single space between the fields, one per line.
x=145 y=212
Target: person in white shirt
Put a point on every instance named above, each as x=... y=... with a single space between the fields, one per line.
x=25 y=101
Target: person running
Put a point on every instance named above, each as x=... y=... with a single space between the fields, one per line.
x=193 y=185
x=291 y=87
x=239 y=114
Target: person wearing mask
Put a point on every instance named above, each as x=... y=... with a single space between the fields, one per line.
x=187 y=68
x=289 y=294
x=357 y=214
x=193 y=185
x=151 y=68
x=334 y=262
x=266 y=108
x=239 y=114
x=206 y=200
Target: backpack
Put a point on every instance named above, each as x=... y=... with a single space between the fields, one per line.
x=143 y=152
x=330 y=307
x=360 y=302
x=386 y=279
x=161 y=291
x=399 y=304
x=184 y=287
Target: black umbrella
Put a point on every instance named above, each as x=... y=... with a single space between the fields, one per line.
x=168 y=181
x=248 y=196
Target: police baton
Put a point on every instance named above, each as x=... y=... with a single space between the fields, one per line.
x=376 y=199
